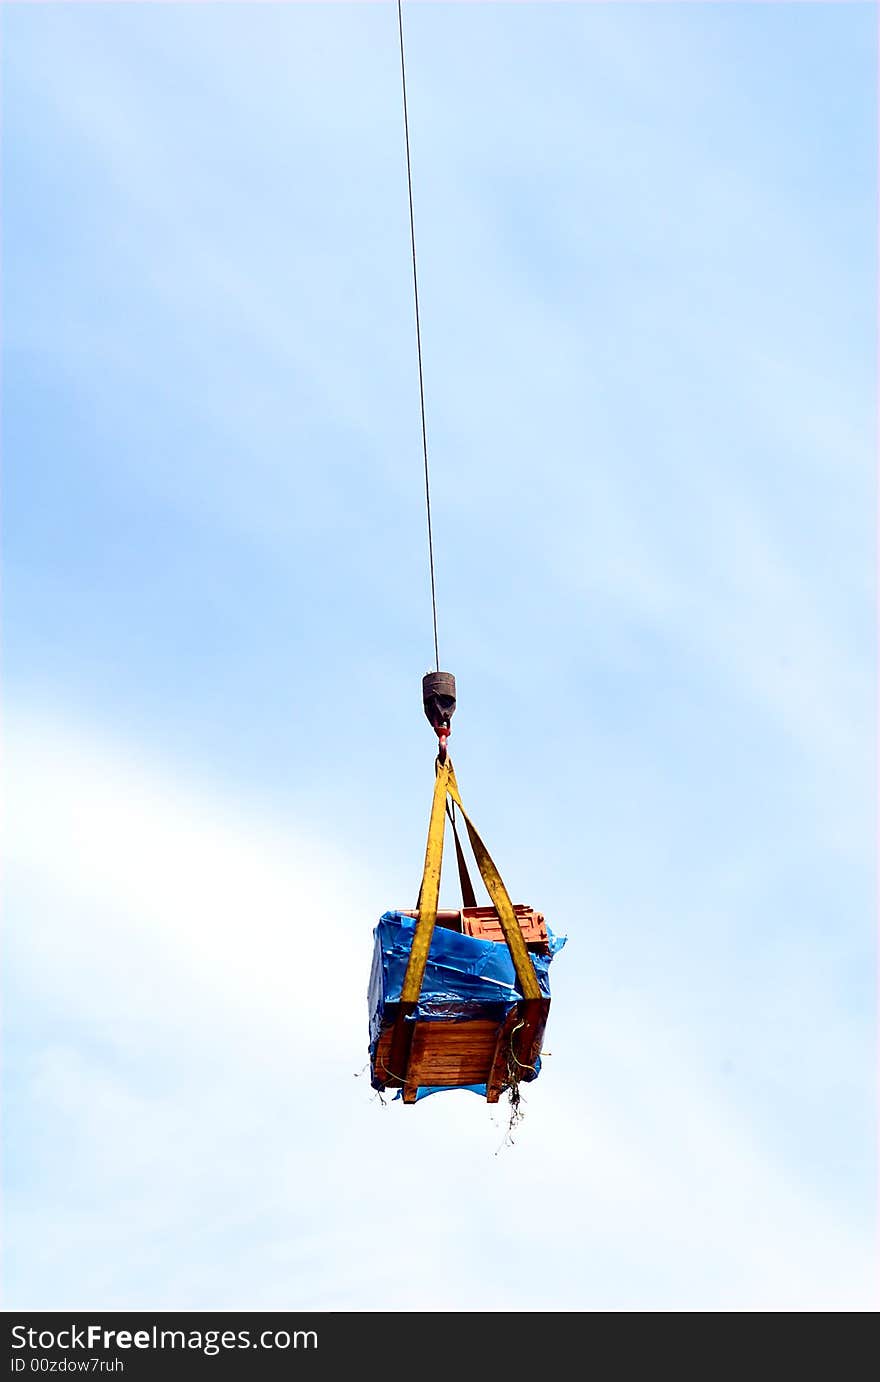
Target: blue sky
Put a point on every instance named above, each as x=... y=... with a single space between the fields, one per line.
x=647 y=245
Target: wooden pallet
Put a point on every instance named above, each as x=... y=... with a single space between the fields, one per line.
x=451 y=1052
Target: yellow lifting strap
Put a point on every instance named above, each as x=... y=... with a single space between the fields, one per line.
x=429 y=895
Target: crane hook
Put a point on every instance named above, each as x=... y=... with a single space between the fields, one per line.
x=438 y=699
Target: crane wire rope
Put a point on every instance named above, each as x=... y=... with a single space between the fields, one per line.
x=412 y=232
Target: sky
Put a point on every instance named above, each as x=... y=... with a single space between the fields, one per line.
x=647 y=254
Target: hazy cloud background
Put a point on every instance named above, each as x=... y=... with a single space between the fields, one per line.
x=648 y=273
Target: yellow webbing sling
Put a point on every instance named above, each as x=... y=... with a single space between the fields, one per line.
x=429 y=895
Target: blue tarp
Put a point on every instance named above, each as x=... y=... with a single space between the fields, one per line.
x=464 y=978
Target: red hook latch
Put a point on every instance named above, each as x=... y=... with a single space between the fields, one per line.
x=443 y=733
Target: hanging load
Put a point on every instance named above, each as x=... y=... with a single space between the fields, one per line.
x=458 y=999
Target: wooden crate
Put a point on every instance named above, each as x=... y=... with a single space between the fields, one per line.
x=452 y=1052
x=468 y=1034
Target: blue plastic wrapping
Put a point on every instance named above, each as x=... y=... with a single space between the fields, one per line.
x=465 y=978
